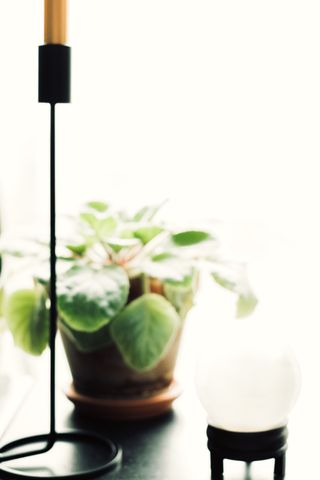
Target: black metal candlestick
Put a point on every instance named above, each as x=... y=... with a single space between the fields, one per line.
x=247 y=447
x=54 y=87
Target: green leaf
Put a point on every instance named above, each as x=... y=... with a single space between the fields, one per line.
x=1 y=302
x=163 y=256
x=78 y=249
x=233 y=277
x=12 y=252
x=102 y=227
x=173 y=271
x=88 y=299
x=227 y=283
x=191 y=237
x=2 y=319
x=23 y=248
x=27 y=317
x=106 y=227
x=87 y=342
x=80 y=246
x=90 y=219
x=169 y=268
x=98 y=206
x=246 y=304
x=147 y=213
x=181 y=297
x=144 y=330
x=147 y=233
x=126 y=233
x=118 y=244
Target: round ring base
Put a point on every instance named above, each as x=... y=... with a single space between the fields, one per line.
x=74 y=454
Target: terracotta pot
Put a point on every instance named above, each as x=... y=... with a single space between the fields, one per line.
x=103 y=373
x=105 y=386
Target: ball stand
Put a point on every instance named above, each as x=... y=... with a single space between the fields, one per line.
x=94 y=453
x=247 y=447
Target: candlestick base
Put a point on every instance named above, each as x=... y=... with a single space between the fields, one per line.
x=247 y=447
x=86 y=455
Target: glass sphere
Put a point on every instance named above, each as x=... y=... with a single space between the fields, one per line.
x=247 y=378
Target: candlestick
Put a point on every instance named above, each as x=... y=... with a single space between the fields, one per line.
x=55 y=22
x=54 y=88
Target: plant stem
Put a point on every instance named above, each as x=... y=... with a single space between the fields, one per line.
x=145 y=283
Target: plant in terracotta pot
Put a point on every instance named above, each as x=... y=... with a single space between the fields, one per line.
x=125 y=286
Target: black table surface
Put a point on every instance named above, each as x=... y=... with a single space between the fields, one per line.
x=172 y=447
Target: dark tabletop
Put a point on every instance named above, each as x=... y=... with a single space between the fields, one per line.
x=172 y=447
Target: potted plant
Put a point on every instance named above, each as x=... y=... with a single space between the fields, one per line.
x=125 y=286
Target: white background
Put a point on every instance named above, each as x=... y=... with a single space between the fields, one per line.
x=213 y=104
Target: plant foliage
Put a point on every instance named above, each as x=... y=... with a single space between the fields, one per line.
x=99 y=266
